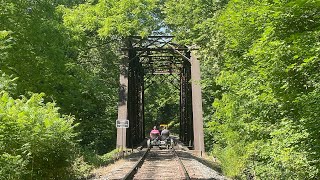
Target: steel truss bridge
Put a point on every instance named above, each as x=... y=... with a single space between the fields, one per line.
x=150 y=56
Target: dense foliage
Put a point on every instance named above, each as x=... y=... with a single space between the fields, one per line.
x=162 y=101
x=77 y=71
x=263 y=62
x=35 y=140
x=260 y=69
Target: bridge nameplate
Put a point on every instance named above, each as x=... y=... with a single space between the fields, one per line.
x=122 y=123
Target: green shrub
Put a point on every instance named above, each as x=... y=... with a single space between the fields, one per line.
x=96 y=160
x=36 y=142
x=109 y=157
x=12 y=167
x=81 y=169
x=88 y=159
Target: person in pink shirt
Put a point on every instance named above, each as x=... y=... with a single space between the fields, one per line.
x=154 y=133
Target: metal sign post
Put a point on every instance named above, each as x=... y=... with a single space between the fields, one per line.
x=123 y=124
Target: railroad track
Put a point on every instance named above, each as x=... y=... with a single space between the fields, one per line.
x=158 y=164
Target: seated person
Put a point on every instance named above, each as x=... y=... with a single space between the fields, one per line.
x=165 y=133
x=154 y=133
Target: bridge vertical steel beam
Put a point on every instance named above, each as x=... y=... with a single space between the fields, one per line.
x=135 y=102
x=197 y=104
x=132 y=110
x=182 y=105
x=189 y=120
x=186 y=123
x=139 y=88
x=131 y=100
x=123 y=100
x=142 y=120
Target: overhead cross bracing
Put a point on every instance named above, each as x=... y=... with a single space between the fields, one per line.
x=157 y=54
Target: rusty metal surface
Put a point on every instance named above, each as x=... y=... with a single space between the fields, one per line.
x=119 y=169
x=137 y=165
x=186 y=119
x=135 y=102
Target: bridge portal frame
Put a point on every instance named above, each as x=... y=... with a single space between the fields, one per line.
x=138 y=59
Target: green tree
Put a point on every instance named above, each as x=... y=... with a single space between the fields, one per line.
x=262 y=57
x=78 y=72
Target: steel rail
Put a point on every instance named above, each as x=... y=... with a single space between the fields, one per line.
x=184 y=168
x=135 y=168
